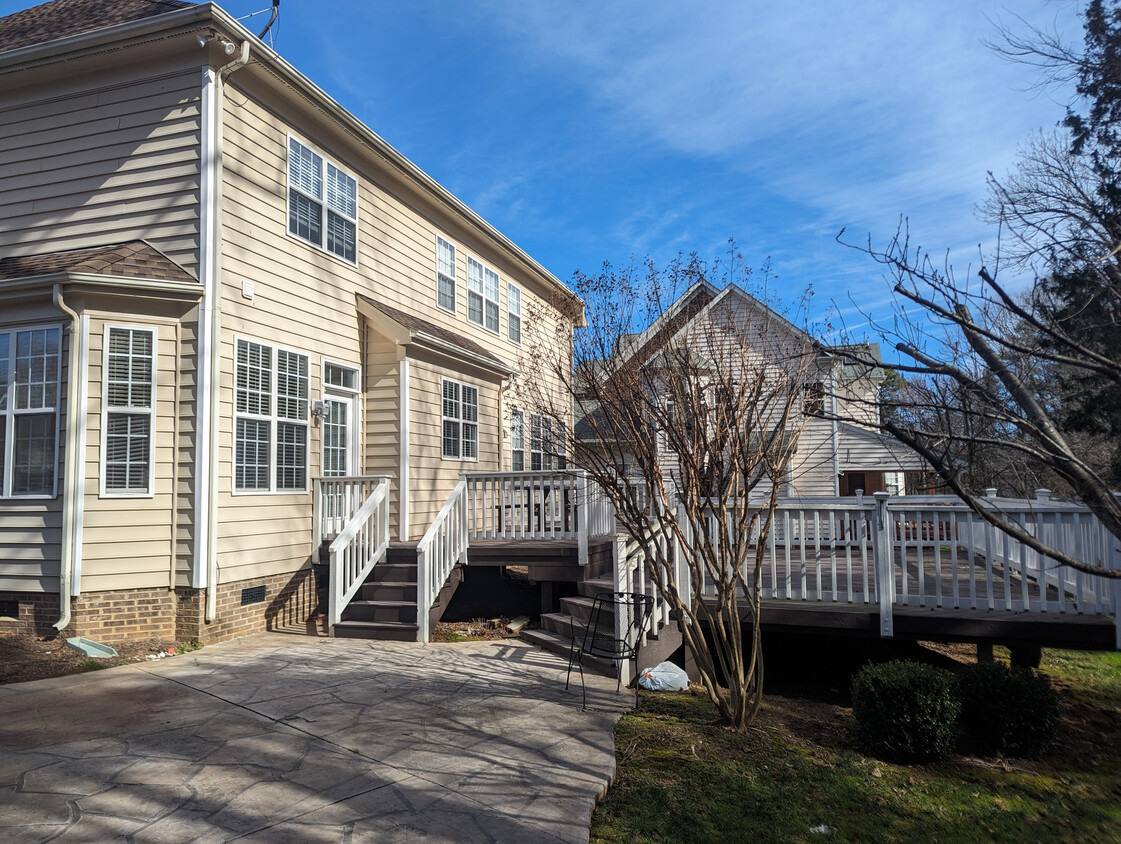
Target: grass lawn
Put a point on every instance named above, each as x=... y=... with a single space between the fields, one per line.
x=682 y=777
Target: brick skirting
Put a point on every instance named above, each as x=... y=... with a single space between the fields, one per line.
x=161 y=613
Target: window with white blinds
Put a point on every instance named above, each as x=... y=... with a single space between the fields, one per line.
x=270 y=419
x=128 y=410
x=460 y=414
x=322 y=202
x=30 y=364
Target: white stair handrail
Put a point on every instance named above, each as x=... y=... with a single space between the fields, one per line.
x=443 y=546
x=360 y=545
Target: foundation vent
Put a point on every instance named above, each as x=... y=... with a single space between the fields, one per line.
x=252 y=595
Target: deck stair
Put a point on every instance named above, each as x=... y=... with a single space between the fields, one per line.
x=556 y=630
x=385 y=606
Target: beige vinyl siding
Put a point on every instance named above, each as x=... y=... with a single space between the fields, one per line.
x=813 y=470
x=185 y=450
x=307 y=297
x=31 y=529
x=432 y=477
x=381 y=416
x=127 y=542
x=103 y=165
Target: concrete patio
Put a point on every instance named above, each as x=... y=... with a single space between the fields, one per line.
x=286 y=738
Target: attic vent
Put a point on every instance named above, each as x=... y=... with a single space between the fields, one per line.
x=252 y=595
x=9 y=609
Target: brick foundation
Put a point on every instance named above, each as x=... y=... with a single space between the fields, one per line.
x=124 y=614
x=161 y=613
x=290 y=599
x=37 y=613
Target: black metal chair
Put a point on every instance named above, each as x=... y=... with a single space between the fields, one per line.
x=614 y=631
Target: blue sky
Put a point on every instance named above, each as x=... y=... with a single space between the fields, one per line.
x=592 y=131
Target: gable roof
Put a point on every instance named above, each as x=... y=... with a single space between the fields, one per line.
x=62 y=18
x=413 y=329
x=133 y=259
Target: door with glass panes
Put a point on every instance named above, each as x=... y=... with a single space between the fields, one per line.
x=340 y=443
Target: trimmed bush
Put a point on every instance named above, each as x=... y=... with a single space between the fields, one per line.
x=905 y=710
x=1007 y=709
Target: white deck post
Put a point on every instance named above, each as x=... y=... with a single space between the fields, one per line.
x=884 y=562
x=422 y=595
x=583 y=514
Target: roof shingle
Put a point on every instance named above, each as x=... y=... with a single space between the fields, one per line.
x=134 y=259
x=63 y=18
x=414 y=323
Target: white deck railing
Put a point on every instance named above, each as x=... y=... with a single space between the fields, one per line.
x=335 y=500
x=443 y=546
x=931 y=552
x=360 y=544
x=537 y=506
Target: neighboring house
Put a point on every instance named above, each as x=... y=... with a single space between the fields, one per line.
x=217 y=285
x=839 y=451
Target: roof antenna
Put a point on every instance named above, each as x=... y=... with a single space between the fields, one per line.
x=272 y=19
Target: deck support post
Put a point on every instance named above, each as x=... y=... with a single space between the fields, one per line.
x=884 y=562
x=583 y=511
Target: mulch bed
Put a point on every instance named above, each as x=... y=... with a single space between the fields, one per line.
x=25 y=657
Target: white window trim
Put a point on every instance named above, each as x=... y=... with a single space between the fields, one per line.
x=482 y=294
x=510 y=286
x=334 y=389
x=455 y=291
x=10 y=413
x=104 y=492
x=272 y=419
x=459 y=421
x=322 y=201
x=520 y=414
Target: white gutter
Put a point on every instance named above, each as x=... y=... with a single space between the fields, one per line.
x=127 y=284
x=70 y=489
x=210 y=333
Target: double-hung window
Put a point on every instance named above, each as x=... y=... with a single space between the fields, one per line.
x=546 y=444
x=29 y=399
x=445 y=275
x=322 y=202
x=460 y=416
x=127 y=414
x=270 y=419
x=482 y=295
x=517 y=441
x=513 y=312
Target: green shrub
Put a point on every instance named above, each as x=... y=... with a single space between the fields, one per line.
x=905 y=711
x=1007 y=709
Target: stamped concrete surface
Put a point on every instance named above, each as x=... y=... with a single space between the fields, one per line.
x=285 y=738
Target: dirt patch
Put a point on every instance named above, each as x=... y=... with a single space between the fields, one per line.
x=25 y=657
x=477 y=630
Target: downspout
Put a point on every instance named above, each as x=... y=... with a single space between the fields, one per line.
x=70 y=490
x=215 y=309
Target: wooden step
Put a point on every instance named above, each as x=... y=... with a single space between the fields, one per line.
x=402 y=612
x=388 y=590
x=562 y=646
x=381 y=630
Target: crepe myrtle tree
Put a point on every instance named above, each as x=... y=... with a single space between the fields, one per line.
x=688 y=415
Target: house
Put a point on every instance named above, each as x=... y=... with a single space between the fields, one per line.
x=839 y=450
x=217 y=287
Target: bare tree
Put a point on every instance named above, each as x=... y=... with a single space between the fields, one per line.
x=689 y=400
x=979 y=358
x=1031 y=381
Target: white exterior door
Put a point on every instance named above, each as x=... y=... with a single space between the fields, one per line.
x=340 y=460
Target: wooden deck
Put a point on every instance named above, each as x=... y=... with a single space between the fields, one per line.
x=832 y=592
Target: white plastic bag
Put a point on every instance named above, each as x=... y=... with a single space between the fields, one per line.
x=665 y=677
